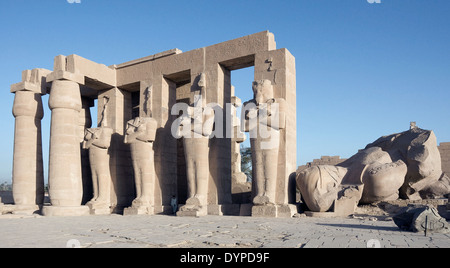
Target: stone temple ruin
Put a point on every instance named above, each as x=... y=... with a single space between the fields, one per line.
x=141 y=156
x=168 y=135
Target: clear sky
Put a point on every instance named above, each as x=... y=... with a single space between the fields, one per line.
x=363 y=70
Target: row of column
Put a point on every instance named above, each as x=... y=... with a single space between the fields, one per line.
x=65 y=171
x=65 y=184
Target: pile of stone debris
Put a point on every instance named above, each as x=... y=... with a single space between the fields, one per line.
x=428 y=216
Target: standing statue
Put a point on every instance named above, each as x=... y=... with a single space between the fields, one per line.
x=195 y=127
x=98 y=141
x=140 y=134
x=264 y=118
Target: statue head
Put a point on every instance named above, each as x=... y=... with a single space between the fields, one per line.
x=200 y=96
x=262 y=90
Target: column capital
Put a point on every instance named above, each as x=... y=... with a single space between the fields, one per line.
x=27 y=103
x=34 y=81
x=61 y=71
x=65 y=94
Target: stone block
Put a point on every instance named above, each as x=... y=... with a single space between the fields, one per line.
x=245 y=209
x=268 y=211
x=96 y=209
x=25 y=209
x=225 y=209
x=142 y=210
x=65 y=211
x=192 y=211
x=286 y=211
x=98 y=76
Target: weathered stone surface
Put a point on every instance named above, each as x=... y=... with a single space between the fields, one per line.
x=98 y=141
x=444 y=149
x=400 y=164
x=421 y=219
x=140 y=135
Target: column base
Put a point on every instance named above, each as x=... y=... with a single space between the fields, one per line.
x=164 y=210
x=26 y=209
x=65 y=211
x=274 y=211
x=224 y=209
x=139 y=210
x=245 y=209
x=192 y=211
x=98 y=209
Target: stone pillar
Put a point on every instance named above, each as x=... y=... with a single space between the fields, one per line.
x=117 y=114
x=278 y=66
x=85 y=122
x=65 y=181
x=165 y=145
x=28 y=174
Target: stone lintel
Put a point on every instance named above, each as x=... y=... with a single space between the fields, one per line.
x=63 y=75
x=83 y=71
x=233 y=54
x=97 y=76
x=149 y=58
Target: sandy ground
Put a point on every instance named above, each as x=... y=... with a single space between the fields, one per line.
x=117 y=231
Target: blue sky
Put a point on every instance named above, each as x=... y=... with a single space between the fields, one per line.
x=363 y=70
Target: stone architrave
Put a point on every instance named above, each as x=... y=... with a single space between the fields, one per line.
x=98 y=141
x=264 y=118
x=140 y=134
x=28 y=174
x=195 y=127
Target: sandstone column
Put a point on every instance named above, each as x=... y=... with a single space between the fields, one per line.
x=65 y=181
x=28 y=176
